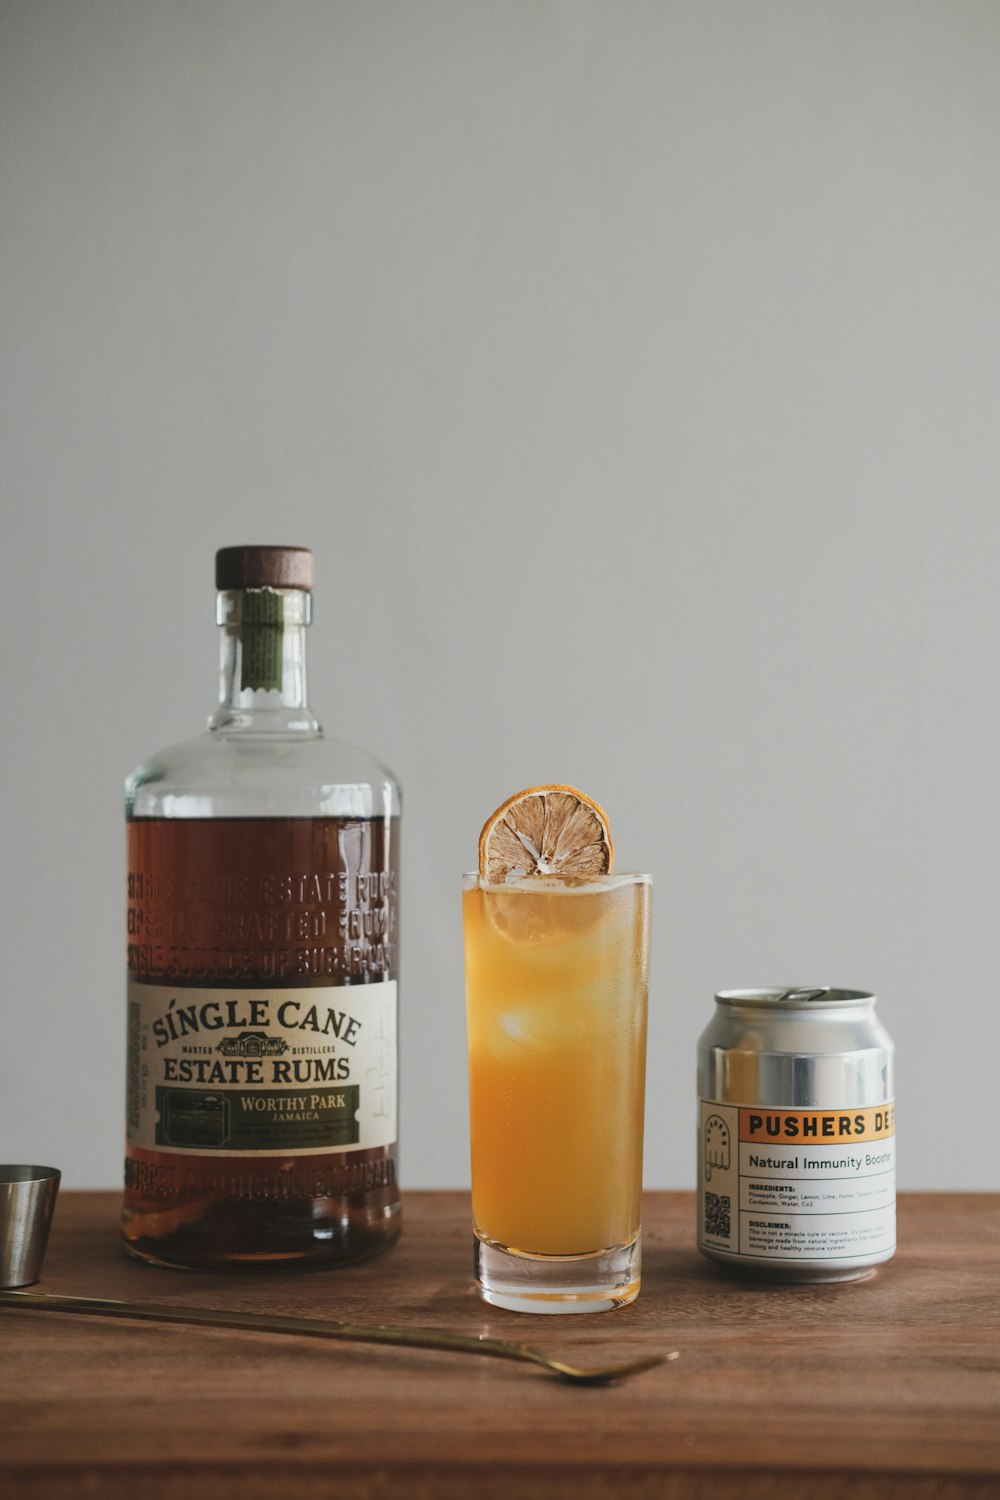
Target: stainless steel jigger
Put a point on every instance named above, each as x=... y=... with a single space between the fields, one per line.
x=27 y=1201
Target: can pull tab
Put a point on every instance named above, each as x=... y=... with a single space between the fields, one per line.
x=803 y=996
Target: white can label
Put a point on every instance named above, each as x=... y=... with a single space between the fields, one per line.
x=797 y=1185
x=261 y=1072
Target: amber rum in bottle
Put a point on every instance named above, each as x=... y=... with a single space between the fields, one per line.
x=263 y=872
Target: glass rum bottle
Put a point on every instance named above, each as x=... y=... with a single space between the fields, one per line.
x=263 y=875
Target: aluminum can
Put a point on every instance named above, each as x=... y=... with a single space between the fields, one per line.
x=796 y=1135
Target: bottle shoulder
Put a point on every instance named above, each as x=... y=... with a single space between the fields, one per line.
x=218 y=775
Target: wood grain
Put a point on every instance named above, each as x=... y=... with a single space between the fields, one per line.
x=885 y=1387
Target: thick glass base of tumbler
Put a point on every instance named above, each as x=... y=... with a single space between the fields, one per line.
x=523 y=1282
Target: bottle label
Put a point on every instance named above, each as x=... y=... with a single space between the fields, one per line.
x=262 y=1072
x=797 y=1184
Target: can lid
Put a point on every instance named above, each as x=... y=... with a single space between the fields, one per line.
x=264 y=567
x=783 y=997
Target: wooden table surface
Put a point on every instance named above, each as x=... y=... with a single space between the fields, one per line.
x=880 y=1388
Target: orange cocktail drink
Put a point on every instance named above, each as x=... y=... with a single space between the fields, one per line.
x=556 y=985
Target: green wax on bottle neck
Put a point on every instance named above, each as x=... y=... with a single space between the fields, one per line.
x=261 y=633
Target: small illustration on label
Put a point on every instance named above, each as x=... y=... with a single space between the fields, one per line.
x=192 y=1119
x=252 y=1044
x=716 y=1145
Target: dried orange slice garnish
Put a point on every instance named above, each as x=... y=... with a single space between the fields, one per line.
x=545 y=830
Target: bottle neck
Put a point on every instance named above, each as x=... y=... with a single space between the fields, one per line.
x=262 y=688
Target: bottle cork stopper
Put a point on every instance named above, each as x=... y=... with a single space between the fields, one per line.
x=264 y=567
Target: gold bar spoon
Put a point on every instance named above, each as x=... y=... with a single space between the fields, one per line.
x=325 y=1328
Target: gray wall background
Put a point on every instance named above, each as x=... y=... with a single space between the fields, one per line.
x=633 y=370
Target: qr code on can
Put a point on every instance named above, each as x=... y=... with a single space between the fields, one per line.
x=717 y=1219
